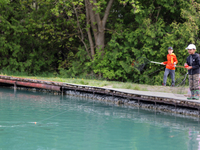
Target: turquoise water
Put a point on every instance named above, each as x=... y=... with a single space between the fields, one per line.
x=80 y=124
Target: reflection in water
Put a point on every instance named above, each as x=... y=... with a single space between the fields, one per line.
x=118 y=127
x=194 y=139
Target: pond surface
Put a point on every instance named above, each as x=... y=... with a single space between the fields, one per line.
x=38 y=121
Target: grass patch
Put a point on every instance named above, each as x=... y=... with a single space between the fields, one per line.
x=104 y=83
x=136 y=88
x=144 y=89
x=128 y=86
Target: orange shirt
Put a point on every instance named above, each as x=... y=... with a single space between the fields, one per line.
x=171 y=59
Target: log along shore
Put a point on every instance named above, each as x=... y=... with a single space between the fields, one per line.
x=166 y=102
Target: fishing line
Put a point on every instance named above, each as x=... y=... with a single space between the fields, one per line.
x=180 y=85
x=56 y=114
x=183 y=82
x=149 y=74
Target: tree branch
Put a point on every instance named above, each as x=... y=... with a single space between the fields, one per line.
x=88 y=30
x=93 y=20
x=159 y=8
x=97 y=15
x=82 y=37
x=107 y=12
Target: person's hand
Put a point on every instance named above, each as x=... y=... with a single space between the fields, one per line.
x=162 y=63
x=189 y=67
x=175 y=63
x=186 y=66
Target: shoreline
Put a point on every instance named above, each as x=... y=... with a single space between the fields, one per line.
x=164 y=102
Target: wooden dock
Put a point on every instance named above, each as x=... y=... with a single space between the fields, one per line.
x=160 y=98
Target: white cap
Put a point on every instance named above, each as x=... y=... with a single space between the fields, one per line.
x=191 y=46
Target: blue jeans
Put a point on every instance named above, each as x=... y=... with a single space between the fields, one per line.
x=172 y=73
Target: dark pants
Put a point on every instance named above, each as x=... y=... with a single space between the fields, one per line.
x=172 y=73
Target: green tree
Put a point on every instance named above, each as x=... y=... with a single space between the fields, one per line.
x=158 y=25
x=100 y=37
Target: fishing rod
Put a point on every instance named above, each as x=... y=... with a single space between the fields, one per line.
x=142 y=61
x=168 y=64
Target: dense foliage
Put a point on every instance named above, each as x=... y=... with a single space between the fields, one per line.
x=96 y=38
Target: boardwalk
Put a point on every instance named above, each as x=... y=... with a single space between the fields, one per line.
x=176 y=100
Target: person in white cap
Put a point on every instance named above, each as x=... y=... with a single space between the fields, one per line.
x=192 y=65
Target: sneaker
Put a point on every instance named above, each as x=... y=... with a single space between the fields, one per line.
x=195 y=98
x=196 y=95
x=163 y=84
x=192 y=97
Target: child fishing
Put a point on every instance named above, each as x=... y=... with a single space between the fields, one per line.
x=192 y=65
x=170 y=66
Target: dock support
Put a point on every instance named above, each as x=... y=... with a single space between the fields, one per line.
x=15 y=86
x=62 y=90
x=112 y=95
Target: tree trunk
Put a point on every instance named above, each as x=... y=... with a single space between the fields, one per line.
x=100 y=40
x=88 y=30
x=97 y=24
